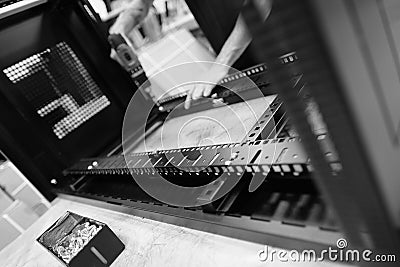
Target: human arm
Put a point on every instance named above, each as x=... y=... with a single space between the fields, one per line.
x=233 y=48
x=135 y=12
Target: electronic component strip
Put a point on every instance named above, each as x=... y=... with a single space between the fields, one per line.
x=284 y=155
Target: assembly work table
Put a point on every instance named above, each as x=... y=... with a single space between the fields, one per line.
x=147 y=242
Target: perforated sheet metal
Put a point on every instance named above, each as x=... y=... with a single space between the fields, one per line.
x=59 y=88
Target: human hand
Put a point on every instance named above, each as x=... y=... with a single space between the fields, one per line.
x=207 y=82
x=131 y=17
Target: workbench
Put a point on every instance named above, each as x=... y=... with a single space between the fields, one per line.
x=148 y=242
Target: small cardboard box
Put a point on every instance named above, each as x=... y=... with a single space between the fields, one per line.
x=80 y=241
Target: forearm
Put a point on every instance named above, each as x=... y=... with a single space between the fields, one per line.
x=233 y=48
x=240 y=37
x=134 y=14
x=235 y=45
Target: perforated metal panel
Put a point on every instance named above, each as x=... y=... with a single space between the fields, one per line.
x=58 y=86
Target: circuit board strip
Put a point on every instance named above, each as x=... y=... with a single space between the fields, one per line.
x=284 y=155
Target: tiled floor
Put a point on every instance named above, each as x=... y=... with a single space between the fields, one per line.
x=20 y=204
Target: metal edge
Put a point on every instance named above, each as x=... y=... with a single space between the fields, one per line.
x=19 y=7
x=273 y=233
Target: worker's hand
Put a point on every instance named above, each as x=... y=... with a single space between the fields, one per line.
x=208 y=80
x=131 y=17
